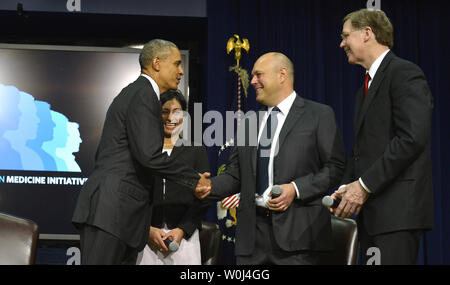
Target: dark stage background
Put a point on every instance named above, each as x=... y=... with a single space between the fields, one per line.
x=307 y=31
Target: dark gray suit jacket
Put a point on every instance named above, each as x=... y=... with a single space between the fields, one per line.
x=391 y=148
x=312 y=154
x=117 y=196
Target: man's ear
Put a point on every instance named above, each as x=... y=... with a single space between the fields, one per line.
x=368 y=34
x=283 y=74
x=156 y=63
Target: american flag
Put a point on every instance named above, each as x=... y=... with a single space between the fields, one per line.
x=231 y=201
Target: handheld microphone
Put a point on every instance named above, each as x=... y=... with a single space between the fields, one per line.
x=171 y=245
x=329 y=202
x=276 y=191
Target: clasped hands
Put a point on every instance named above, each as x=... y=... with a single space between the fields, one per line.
x=352 y=196
x=279 y=204
x=157 y=237
x=203 y=188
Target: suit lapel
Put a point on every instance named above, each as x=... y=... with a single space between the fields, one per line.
x=363 y=105
x=176 y=151
x=295 y=113
x=358 y=105
x=181 y=145
x=153 y=98
x=254 y=149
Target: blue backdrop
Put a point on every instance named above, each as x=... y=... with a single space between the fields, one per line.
x=308 y=32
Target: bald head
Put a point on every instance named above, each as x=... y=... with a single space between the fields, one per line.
x=281 y=61
x=273 y=78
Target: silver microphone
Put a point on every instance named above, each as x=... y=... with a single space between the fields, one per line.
x=329 y=202
x=276 y=191
x=171 y=245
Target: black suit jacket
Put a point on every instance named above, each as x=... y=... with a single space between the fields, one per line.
x=117 y=196
x=391 y=150
x=178 y=207
x=312 y=154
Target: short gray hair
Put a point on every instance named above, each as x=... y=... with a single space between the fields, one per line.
x=155 y=48
x=375 y=19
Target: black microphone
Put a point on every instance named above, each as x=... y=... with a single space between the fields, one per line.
x=276 y=191
x=329 y=202
x=171 y=245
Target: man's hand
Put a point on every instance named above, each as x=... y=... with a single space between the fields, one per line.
x=203 y=188
x=281 y=203
x=337 y=195
x=353 y=196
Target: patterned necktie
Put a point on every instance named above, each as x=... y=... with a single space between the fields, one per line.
x=366 y=84
x=263 y=154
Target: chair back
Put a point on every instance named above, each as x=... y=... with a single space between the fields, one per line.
x=345 y=243
x=210 y=238
x=18 y=240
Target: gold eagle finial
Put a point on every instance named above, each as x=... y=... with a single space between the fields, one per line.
x=237 y=45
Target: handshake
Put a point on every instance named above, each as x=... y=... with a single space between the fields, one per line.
x=203 y=188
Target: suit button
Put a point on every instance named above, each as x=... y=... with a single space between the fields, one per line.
x=356 y=158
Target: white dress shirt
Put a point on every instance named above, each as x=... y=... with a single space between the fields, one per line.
x=375 y=65
x=284 y=107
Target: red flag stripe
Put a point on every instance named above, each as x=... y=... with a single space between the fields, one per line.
x=231 y=202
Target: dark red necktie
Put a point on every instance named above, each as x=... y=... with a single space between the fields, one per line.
x=366 y=84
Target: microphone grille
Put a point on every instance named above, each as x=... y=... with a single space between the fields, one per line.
x=173 y=246
x=276 y=190
x=327 y=201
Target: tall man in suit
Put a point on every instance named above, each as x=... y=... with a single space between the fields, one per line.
x=388 y=178
x=294 y=143
x=113 y=210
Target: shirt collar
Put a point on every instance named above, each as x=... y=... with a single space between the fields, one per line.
x=376 y=64
x=153 y=82
x=285 y=105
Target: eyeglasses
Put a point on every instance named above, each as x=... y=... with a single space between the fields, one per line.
x=345 y=36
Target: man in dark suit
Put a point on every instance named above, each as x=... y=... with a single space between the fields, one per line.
x=113 y=211
x=296 y=144
x=389 y=173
